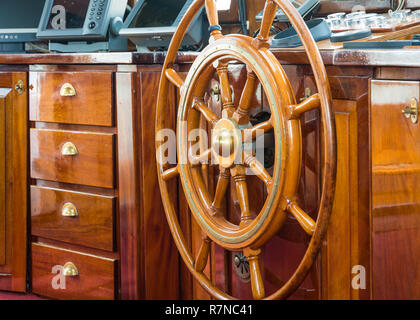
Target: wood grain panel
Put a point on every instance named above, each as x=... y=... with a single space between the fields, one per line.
x=92 y=166
x=338 y=236
x=348 y=239
x=395 y=196
x=131 y=266
x=96 y=279
x=161 y=256
x=13 y=272
x=92 y=104
x=93 y=227
x=3 y=94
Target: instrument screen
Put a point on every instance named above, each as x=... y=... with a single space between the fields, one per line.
x=68 y=14
x=20 y=13
x=157 y=13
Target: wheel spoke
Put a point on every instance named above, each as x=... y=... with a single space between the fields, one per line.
x=241 y=115
x=222 y=185
x=204 y=157
x=213 y=17
x=174 y=77
x=257 y=130
x=270 y=10
x=170 y=174
x=225 y=91
x=257 y=284
x=206 y=112
x=259 y=170
x=242 y=192
x=305 y=221
x=203 y=255
x=313 y=102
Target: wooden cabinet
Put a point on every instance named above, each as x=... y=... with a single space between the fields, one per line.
x=73 y=212
x=94 y=194
x=13 y=181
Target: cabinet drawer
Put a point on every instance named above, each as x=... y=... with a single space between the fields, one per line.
x=73 y=217
x=52 y=98
x=93 y=277
x=73 y=157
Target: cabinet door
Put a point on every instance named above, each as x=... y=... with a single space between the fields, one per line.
x=395 y=191
x=13 y=181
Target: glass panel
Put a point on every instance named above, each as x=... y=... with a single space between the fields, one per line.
x=68 y=14
x=157 y=13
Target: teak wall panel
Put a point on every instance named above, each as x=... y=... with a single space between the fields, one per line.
x=129 y=187
x=348 y=238
x=161 y=267
x=2 y=178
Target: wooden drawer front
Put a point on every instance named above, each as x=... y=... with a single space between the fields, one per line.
x=88 y=220
x=91 y=104
x=95 y=280
x=93 y=165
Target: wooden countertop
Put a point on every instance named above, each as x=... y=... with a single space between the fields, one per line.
x=332 y=55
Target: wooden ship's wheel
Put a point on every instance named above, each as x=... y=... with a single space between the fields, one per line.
x=231 y=147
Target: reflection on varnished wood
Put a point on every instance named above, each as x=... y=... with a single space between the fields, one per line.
x=95 y=279
x=395 y=196
x=93 y=165
x=90 y=104
x=92 y=227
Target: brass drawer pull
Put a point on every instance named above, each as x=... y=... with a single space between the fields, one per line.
x=412 y=111
x=69 y=210
x=70 y=270
x=67 y=90
x=69 y=149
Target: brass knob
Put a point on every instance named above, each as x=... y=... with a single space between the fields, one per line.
x=70 y=270
x=20 y=87
x=69 y=210
x=69 y=149
x=412 y=111
x=67 y=90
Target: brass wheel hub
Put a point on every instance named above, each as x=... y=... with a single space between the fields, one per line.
x=226 y=142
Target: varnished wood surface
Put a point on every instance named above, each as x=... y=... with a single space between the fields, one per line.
x=3 y=97
x=93 y=227
x=96 y=279
x=14 y=156
x=92 y=166
x=395 y=196
x=129 y=209
x=92 y=104
x=339 y=57
x=161 y=259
